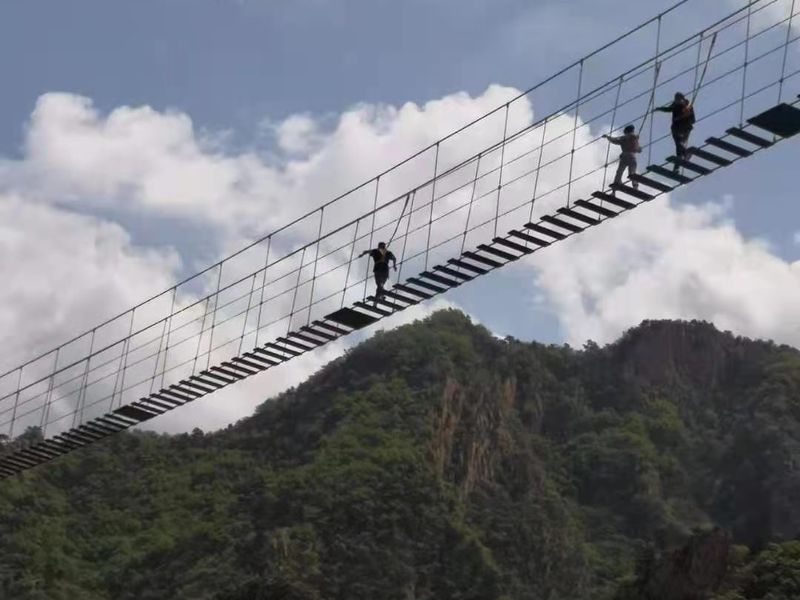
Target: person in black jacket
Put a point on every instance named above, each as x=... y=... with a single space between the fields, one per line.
x=381 y=255
x=682 y=123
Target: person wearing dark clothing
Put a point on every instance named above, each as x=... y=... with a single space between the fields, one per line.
x=381 y=256
x=629 y=144
x=682 y=123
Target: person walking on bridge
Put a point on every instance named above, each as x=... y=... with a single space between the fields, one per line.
x=682 y=123
x=381 y=255
x=629 y=143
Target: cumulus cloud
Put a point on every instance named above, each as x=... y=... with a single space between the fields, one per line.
x=70 y=269
x=672 y=262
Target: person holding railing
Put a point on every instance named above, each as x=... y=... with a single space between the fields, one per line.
x=682 y=124
x=629 y=144
x=382 y=256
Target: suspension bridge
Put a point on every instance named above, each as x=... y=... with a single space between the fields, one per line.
x=503 y=187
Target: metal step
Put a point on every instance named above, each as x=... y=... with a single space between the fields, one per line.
x=652 y=183
x=574 y=214
x=439 y=279
x=710 y=157
x=561 y=223
x=304 y=338
x=382 y=302
x=687 y=164
x=453 y=273
x=372 y=308
x=482 y=259
x=545 y=230
x=598 y=209
x=528 y=238
x=782 y=120
x=502 y=254
x=631 y=191
x=351 y=318
x=393 y=294
x=513 y=245
x=329 y=327
x=425 y=285
x=606 y=197
x=749 y=137
x=318 y=333
x=658 y=169
x=465 y=265
x=728 y=147
x=409 y=290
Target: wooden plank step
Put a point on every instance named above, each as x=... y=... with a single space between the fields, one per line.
x=709 y=156
x=393 y=294
x=606 y=197
x=497 y=252
x=382 y=302
x=687 y=164
x=578 y=216
x=425 y=285
x=351 y=318
x=728 y=147
x=545 y=231
x=631 y=191
x=658 y=169
x=330 y=327
x=598 y=209
x=372 y=308
x=651 y=183
x=439 y=279
x=465 y=265
x=453 y=273
x=528 y=238
x=409 y=290
x=482 y=259
x=513 y=245
x=561 y=223
x=749 y=137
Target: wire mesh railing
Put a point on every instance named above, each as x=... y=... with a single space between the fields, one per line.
x=486 y=177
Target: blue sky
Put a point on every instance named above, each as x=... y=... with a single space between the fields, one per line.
x=231 y=66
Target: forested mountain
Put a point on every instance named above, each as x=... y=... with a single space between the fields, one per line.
x=436 y=462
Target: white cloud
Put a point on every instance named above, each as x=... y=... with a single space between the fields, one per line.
x=660 y=261
x=663 y=261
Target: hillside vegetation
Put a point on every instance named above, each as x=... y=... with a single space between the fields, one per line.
x=439 y=462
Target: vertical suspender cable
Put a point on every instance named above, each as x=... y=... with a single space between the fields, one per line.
x=744 y=70
x=296 y=287
x=350 y=263
x=705 y=69
x=405 y=237
x=471 y=202
x=500 y=179
x=169 y=331
x=786 y=52
x=433 y=199
x=316 y=260
x=246 y=317
x=123 y=360
x=371 y=233
x=14 y=410
x=49 y=396
x=78 y=414
x=653 y=95
x=538 y=168
x=574 y=132
x=263 y=287
x=214 y=317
